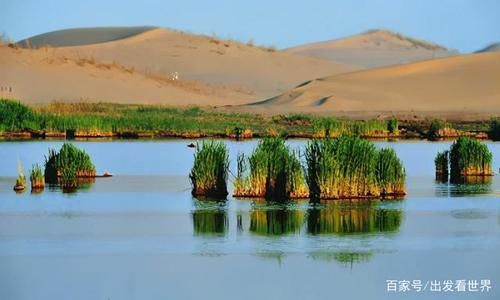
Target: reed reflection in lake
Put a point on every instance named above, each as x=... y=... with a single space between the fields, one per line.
x=352 y=219
x=210 y=218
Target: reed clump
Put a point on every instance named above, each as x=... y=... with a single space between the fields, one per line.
x=393 y=126
x=442 y=164
x=272 y=171
x=37 y=177
x=469 y=157
x=21 y=179
x=440 y=128
x=67 y=165
x=349 y=167
x=389 y=173
x=329 y=127
x=495 y=129
x=210 y=170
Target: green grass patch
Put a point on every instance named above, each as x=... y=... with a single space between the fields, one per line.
x=99 y=118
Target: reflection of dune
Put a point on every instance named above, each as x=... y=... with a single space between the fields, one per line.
x=206 y=221
x=276 y=221
x=349 y=220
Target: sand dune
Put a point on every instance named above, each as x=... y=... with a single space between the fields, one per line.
x=82 y=36
x=460 y=85
x=491 y=48
x=36 y=76
x=209 y=71
x=374 y=48
x=262 y=72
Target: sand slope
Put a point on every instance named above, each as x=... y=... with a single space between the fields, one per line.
x=36 y=76
x=82 y=36
x=460 y=84
x=257 y=71
x=137 y=64
x=491 y=48
x=374 y=48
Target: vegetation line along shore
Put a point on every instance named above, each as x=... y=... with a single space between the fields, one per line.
x=87 y=120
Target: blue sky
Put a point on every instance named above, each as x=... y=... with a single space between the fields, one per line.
x=465 y=25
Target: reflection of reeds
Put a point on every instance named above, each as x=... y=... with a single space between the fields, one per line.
x=345 y=258
x=349 y=167
x=276 y=221
x=209 y=173
x=352 y=219
x=206 y=221
x=272 y=171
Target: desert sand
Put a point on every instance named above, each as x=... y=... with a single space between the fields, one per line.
x=254 y=70
x=375 y=48
x=38 y=76
x=209 y=71
x=149 y=65
x=461 y=85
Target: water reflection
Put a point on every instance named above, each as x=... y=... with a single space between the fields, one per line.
x=210 y=218
x=464 y=186
x=344 y=258
x=81 y=184
x=352 y=218
x=276 y=220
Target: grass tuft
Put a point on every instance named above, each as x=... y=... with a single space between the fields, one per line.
x=210 y=170
x=272 y=171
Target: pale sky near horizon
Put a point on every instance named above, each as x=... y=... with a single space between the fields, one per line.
x=465 y=25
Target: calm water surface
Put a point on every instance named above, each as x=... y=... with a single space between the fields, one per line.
x=140 y=234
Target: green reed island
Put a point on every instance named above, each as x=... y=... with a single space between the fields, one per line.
x=210 y=170
x=37 y=177
x=466 y=157
x=67 y=165
x=272 y=171
x=350 y=167
x=341 y=168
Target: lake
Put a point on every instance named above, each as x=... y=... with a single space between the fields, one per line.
x=141 y=235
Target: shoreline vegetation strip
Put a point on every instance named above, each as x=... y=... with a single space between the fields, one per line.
x=87 y=120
